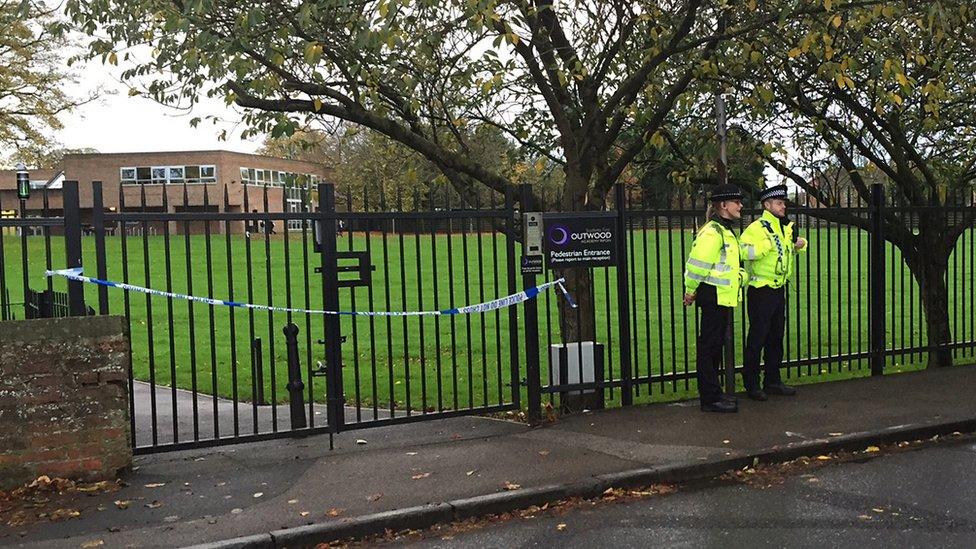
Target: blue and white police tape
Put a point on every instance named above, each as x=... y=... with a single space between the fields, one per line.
x=507 y=301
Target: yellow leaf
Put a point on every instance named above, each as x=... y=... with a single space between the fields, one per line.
x=901 y=78
x=823 y=458
x=511 y=486
x=795 y=52
x=896 y=98
x=317 y=103
x=872 y=449
x=837 y=20
x=828 y=4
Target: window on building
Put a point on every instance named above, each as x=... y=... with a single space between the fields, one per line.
x=173 y=175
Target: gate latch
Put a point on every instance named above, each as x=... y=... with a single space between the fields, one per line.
x=361 y=266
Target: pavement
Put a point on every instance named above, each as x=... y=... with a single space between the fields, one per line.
x=918 y=497
x=296 y=492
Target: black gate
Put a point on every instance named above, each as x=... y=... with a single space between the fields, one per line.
x=308 y=358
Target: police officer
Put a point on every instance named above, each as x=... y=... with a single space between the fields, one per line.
x=713 y=280
x=774 y=240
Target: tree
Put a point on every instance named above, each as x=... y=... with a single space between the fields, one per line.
x=585 y=83
x=46 y=157
x=367 y=163
x=33 y=77
x=888 y=91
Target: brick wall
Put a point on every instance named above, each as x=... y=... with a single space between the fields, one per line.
x=63 y=399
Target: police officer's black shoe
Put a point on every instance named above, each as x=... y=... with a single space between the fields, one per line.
x=780 y=389
x=757 y=394
x=720 y=406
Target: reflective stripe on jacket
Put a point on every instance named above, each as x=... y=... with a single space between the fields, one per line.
x=775 y=251
x=715 y=260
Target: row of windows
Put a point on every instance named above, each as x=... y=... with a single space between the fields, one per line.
x=160 y=175
x=274 y=178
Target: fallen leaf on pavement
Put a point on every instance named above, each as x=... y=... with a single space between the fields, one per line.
x=864 y=517
x=561 y=526
x=236 y=511
x=374 y=497
x=835 y=434
x=62 y=514
x=258 y=494
x=543 y=453
x=292 y=501
x=419 y=476
x=877 y=510
x=304 y=513
x=334 y=512
x=92 y=543
x=872 y=449
x=471 y=472
x=154 y=505
x=411 y=453
x=122 y=503
x=824 y=458
x=361 y=441
x=511 y=486
x=155 y=485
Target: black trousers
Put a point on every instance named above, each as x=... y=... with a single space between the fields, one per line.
x=767 y=321
x=711 y=339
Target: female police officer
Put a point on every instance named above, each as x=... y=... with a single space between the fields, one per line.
x=713 y=279
x=769 y=272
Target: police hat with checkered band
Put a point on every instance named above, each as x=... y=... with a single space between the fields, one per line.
x=725 y=192
x=776 y=191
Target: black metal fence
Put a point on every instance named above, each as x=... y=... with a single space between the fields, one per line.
x=207 y=374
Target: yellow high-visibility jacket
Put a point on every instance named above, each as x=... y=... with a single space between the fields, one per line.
x=775 y=258
x=715 y=259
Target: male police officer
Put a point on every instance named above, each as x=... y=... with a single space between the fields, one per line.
x=774 y=238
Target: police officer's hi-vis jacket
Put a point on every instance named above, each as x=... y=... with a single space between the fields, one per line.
x=716 y=259
x=775 y=251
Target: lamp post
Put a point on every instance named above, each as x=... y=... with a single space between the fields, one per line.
x=23 y=182
x=23 y=193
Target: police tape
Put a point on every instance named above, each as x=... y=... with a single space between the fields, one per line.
x=502 y=302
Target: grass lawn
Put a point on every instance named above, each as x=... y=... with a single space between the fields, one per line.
x=465 y=361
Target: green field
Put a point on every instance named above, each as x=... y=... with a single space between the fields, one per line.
x=418 y=358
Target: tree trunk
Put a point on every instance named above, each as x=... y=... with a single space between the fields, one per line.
x=578 y=324
x=929 y=263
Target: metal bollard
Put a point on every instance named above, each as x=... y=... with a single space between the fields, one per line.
x=296 y=388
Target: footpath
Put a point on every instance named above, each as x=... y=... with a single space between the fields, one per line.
x=296 y=492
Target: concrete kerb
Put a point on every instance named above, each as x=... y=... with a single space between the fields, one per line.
x=424 y=516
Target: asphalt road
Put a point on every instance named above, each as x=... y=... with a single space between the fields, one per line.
x=923 y=498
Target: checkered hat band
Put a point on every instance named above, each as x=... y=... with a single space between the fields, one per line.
x=775 y=193
x=726 y=196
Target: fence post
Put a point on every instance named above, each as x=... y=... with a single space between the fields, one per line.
x=533 y=377
x=623 y=297
x=296 y=389
x=257 y=375
x=98 y=226
x=513 y=263
x=877 y=304
x=72 y=246
x=335 y=398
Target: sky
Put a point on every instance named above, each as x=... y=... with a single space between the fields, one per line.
x=120 y=123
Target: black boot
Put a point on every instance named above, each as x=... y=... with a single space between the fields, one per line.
x=757 y=394
x=780 y=388
x=720 y=406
